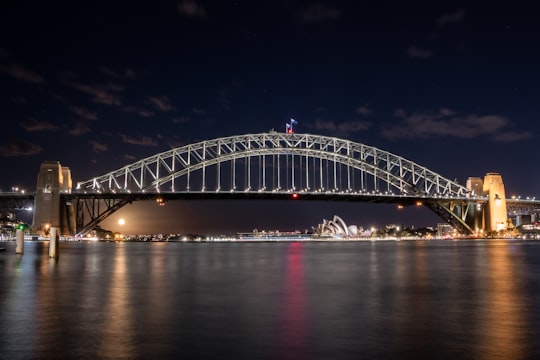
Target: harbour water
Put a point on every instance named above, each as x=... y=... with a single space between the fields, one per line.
x=425 y=299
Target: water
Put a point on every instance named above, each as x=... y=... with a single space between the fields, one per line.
x=343 y=300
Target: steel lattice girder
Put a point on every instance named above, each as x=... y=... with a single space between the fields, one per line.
x=151 y=173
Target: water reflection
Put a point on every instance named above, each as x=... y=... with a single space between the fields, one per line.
x=393 y=300
x=293 y=333
x=503 y=306
x=18 y=305
x=116 y=339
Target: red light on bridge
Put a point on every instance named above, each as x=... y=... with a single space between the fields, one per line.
x=294 y=196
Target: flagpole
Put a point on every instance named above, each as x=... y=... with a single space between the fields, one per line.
x=293 y=122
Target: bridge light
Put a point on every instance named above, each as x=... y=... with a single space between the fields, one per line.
x=294 y=196
x=418 y=203
x=400 y=206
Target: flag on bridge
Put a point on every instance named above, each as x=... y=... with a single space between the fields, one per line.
x=289 y=126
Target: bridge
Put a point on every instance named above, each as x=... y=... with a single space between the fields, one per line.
x=272 y=166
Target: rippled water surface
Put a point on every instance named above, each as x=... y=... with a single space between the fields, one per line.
x=299 y=300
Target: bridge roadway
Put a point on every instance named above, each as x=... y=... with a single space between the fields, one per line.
x=276 y=195
x=16 y=201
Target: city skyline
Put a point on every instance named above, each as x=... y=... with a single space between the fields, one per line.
x=97 y=86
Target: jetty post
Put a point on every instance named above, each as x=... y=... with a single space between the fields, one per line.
x=19 y=239
x=54 y=244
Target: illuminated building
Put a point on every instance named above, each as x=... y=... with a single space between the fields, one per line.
x=336 y=226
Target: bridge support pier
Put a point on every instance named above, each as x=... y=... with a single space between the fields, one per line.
x=49 y=211
x=475 y=217
x=491 y=217
x=19 y=235
x=497 y=215
x=54 y=243
x=518 y=220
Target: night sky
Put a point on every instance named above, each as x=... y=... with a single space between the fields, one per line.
x=98 y=85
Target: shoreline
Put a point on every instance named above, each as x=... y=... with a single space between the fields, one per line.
x=264 y=239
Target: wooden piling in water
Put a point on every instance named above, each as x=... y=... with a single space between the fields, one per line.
x=19 y=239
x=54 y=244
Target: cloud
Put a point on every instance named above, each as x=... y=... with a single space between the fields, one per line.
x=416 y=53
x=107 y=94
x=199 y=112
x=512 y=136
x=454 y=17
x=32 y=124
x=341 y=128
x=363 y=110
x=18 y=72
x=173 y=144
x=144 y=141
x=447 y=112
x=98 y=147
x=139 y=111
x=445 y=122
x=161 y=103
x=18 y=147
x=318 y=12
x=79 y=129
x=191 y=9
x=83 y=113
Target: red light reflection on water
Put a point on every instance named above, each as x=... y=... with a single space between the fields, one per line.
x=293 y=330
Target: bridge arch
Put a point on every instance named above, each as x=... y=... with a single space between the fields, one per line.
x=276 y=162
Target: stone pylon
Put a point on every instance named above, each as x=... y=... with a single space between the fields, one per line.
x=496 y=215
x=49 y=210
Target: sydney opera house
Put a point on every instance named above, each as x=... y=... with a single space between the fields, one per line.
x=335 y=227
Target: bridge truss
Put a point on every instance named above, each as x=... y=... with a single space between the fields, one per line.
x=272 y=165
x=275 y=162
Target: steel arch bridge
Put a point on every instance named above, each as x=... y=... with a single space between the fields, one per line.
x=273 y=166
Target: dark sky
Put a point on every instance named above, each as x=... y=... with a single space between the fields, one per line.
x=453 y=86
